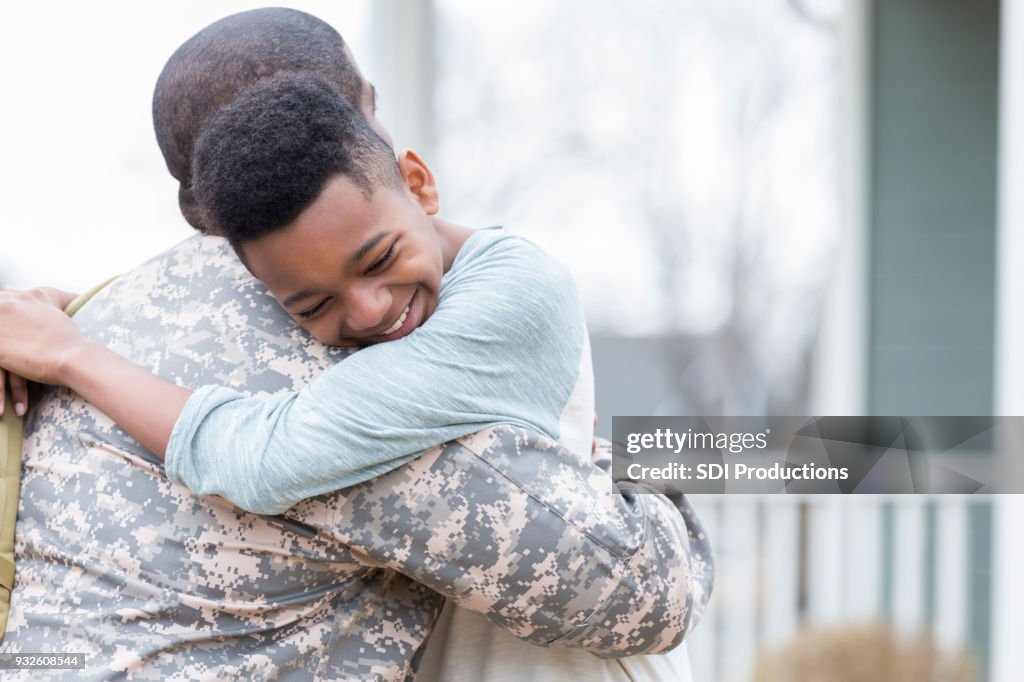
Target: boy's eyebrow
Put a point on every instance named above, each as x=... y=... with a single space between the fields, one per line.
x=298 y=296
x=366 y=247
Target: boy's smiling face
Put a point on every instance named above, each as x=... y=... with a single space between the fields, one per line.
x=356 y=269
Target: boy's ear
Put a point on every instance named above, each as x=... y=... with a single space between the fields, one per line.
x=419 y=180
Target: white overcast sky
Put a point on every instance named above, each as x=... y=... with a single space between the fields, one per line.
x=84 y=190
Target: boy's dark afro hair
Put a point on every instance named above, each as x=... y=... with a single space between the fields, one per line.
x=264 y=158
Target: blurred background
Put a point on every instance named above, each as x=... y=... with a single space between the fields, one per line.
x=770 y=206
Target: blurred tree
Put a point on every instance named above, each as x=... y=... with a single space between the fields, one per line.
x=680 y=156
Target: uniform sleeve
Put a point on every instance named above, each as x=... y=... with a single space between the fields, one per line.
x=509 y=525
x=503 y=346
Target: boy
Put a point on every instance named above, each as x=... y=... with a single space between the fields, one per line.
x=349 y=242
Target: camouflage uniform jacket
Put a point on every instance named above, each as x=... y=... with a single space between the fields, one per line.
x=152 y=582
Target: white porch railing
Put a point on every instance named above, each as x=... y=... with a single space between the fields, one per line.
x=783 y=562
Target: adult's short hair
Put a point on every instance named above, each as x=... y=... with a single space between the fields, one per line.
x=212 y=67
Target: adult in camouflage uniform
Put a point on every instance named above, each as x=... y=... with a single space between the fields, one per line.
x=153 y=582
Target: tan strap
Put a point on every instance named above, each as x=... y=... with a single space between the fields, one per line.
x=86 y=297
x=6 y=574
x=10 y=480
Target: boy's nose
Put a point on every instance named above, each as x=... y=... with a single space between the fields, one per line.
x=366 y=308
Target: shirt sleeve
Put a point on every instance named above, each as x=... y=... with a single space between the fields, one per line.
x=508 y=524
x=502 y=346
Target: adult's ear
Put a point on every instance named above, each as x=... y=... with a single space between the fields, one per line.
x=190 y=207
x=419 y=180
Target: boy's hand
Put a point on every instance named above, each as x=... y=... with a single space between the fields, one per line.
x=35 y=338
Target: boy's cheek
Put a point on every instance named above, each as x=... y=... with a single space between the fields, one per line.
x=329 y=336
x=320 y=332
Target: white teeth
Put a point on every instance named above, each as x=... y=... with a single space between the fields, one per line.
x=397 y=324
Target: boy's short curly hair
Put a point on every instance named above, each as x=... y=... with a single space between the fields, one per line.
x=264 y=158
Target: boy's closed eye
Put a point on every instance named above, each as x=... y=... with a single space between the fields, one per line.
x=310 y=313
x=384 y=258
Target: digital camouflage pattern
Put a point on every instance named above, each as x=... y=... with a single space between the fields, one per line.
x=152 y=582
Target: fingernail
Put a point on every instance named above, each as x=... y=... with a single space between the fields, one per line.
x=19 y=409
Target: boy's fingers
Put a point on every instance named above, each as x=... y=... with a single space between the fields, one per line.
x=19 y=394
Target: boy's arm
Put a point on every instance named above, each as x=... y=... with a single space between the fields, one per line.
x=509 y=525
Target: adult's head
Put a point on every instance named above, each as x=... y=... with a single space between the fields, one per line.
x=212 y=67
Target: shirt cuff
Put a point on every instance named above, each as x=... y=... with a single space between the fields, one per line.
x=184 y=461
